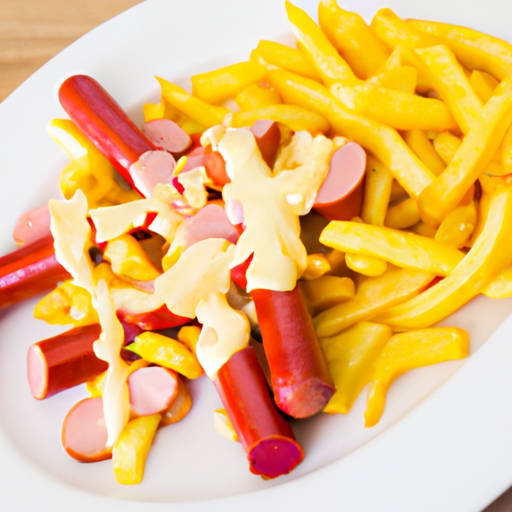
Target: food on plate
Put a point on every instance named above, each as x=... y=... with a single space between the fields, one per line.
x=292 y=229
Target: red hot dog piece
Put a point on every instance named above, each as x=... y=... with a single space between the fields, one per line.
x=84 y=434
x=104 y=122
x=268 y=137
x=300 y=378
x=28 y=271
x=64 y=361
x=341 y=194
x=266 y=437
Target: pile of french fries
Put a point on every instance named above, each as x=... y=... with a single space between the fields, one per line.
x=431 y=103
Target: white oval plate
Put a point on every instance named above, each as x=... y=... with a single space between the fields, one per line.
x=446 y=449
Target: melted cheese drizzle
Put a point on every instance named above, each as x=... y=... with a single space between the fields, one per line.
x=71 y=233
x=113 y=221
x=196 y=285
x=272 y=203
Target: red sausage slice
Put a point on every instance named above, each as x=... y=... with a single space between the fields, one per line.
x=152 y=390
x=63 y=361
x=268 y=137
x=84 y=433
x=167 y=135
x=28 y=271
x=32 y=225
x=265 y=436
x=300 y=377
x=341 y=194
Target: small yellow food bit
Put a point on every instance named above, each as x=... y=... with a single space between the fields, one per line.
x=327 y=291
x=317 y=266
x=407 y=351
x=189 y=336
x=403 y=215
x=365 y=265
x=132 y=448
x=223 y=425
x=457 y=227
x=128 y=258
x=351 y=356
x=167 y=352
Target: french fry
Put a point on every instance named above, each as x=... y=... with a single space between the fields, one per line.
x=449 y=81
x=483 y=84
x=325 y=58
x=256 y=96
x=472 y=157
x=351 y=356
x=405 y=250
x=365 y=265
x=501 y=287
x=327 y=291
x=407 y=351
x=422 y=147
x=195 y=108
x=403 y=78
x=457 y=227
x=446 y=145
x=489 y=256
x=384 y=142
x=398 y=109
x=291 y=59
x=223 y=83
x=473 y=48
x=296 y=118
x=402 y=215
x=355 y=41
x=377 y=192
x=374 y=296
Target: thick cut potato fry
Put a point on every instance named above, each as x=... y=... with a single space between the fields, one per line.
x=327 y=291
x=422 y=147
x=490 y=255
x=351 y=356
x=374 y=296
x=287 y=58
x=483 y=84
x=403 y=78
x=445 y=73
x=384 y=142
x=195 y=108
x=471 y=159
x=325 y=58
x=406 y=250
x=256 y=96
x=296 y=118
x=350 y=35
x=377 y=192
x=402 y=215
x=446 y=145
x=223 y=83
x=398 y=109
x=407 y=351
x=473 y=48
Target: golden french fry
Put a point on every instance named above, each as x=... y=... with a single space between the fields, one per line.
x=406 y=250
x=402 y=215
x=422 y=147
x=377 y=192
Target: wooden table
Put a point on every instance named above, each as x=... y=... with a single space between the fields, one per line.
x=33 y=31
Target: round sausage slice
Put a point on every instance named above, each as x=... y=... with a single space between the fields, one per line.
x=84 y=433
x=341 y=194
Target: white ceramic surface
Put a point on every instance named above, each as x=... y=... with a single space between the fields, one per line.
x=442 y=445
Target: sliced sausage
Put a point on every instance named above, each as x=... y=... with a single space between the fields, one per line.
x=32 y=225
x=166 y=134
x=341 y=194
x=268 y=138
x=84 y=433
x=152 y=390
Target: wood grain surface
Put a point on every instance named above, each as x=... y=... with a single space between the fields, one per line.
x=33 y=31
